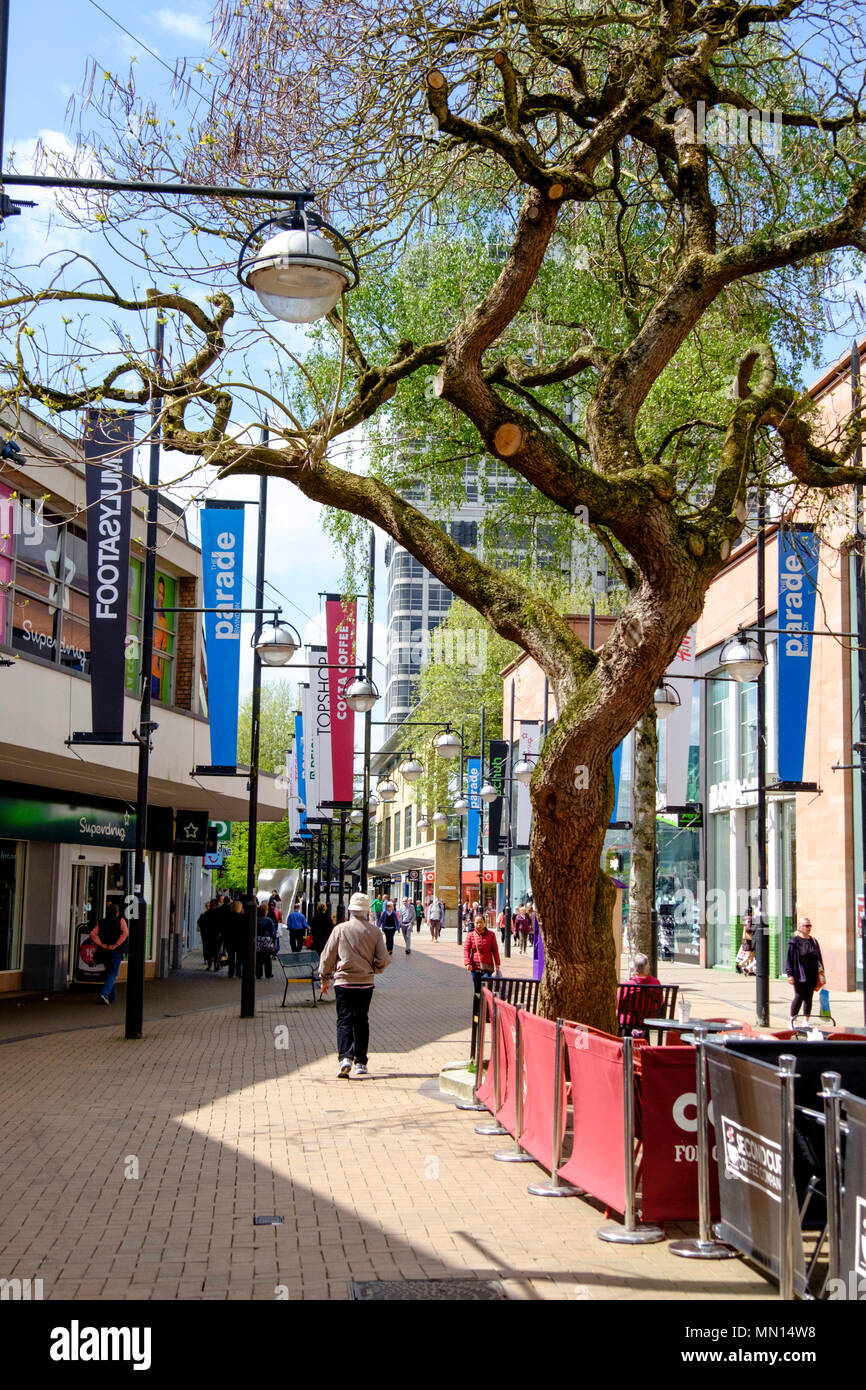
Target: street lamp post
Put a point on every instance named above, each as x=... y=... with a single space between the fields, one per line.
x=248 y=979
x=134 y=1021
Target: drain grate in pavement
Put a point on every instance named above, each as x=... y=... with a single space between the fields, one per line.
x=267 y=1221
x=456 y=1290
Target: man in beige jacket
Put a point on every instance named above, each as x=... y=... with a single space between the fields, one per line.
x=354 y=953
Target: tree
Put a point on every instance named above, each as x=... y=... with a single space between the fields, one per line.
x=279 y=701
x=552 y=126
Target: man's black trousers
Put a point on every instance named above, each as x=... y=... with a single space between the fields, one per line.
x=353 y=1026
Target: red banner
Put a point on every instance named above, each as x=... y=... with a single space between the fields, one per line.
x=484 y=1091
x=670 y=1137
x=539 y=1061
x=340 y=619
x=597 y=1160
x=507 y=1052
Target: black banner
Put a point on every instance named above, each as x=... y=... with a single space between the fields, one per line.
x=852 y=1266
x=108 y=451
x=190 y=832
x=497 y=764
x=747 y=1114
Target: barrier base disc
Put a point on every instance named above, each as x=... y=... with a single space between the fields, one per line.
x=641 y=1235
x=514 y=1156
x=470 y=1105
x=491 y=1129
x=549 y=1189
x=703 y=1249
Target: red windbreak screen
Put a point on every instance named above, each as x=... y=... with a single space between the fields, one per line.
x=484 y=1093
x=507 y=1035
x=596 y=1163
x=669 y=1188
x=539 y=1057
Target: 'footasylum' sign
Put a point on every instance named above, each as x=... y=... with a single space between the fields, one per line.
x=108 y=445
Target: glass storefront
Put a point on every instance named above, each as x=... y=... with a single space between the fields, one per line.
x=12 y=856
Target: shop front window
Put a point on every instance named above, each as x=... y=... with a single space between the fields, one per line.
x=720 y=732
x=11 y=897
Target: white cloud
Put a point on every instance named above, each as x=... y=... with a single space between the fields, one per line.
x=182 y=26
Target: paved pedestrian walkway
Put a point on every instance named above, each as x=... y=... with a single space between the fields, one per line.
x=135 y=1170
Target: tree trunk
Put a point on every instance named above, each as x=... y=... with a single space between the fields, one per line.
x=643 y=837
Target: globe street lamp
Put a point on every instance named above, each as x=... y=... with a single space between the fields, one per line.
x=298 y=274
x=522 y=772
x=666 y=700
x=361 y=695
x=411 y=770
x=276 y=643
x=742 y=659
x=447 y=745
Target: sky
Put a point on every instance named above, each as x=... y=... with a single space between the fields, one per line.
x=50 y=45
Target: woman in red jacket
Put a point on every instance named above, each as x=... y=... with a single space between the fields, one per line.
x=480 y=951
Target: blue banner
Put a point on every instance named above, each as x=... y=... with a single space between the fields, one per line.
x=617 y=768
x=222 y=558
x=299 y=764
x=798 y=576
x=473 y=820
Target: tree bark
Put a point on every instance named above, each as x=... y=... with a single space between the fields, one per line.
x=643 y=837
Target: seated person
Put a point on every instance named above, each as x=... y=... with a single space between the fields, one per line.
x=640 y=976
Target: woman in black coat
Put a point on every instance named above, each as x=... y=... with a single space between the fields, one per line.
x=321 y=927
x=805 y=968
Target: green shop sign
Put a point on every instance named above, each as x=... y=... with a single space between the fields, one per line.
x=66 y=822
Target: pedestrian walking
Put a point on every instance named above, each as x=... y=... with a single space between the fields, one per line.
x=321 y=927
x=209 y=929
x=490 y=916
x=235 y=937
x=109 y=936
x=267 y=942
x=434 y=918
x=376 y=907
x=522 y=927
x=296 y=926
x=389 y=922
x=354 y=954
x=805 y=968
x=407 y=922
x=481 y=952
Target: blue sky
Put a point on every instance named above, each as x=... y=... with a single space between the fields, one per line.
x=50 y=45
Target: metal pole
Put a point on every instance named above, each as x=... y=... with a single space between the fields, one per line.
x=318 y=891
x=762 y=940
x=788 y=1214
x=341 y=905
x=481 y=819
x=860 y=594
x=509 y=787
x=546 y=702
x=831 y=1082
x=494 y=1127
x=4 y=54
x=630 y=1233
x=460 y=847
x=138 y=925
x=706 y=1247
x=248 y=978
x=365 y=824
x=555 y=1188
x=329 y=864
x=517 y=1154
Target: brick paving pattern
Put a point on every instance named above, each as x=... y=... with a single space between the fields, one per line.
x=225 y=1119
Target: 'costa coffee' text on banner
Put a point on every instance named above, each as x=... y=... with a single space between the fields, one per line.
x=341 y=621
x=108 y=446
x=222 y=555
x=798 y=574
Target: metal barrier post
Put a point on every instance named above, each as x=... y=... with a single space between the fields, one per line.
x=832 y=1098
x=475 y=1103
x=493 y=1126
x=789 y=1197
x=555 y=1188
x=631 y=1233
x=706 y=1247
x=517 y=1154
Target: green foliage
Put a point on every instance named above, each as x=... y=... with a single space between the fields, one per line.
x=279 y=701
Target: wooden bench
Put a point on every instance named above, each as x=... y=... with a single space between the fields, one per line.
x=634 y=1003
x=299 y=965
